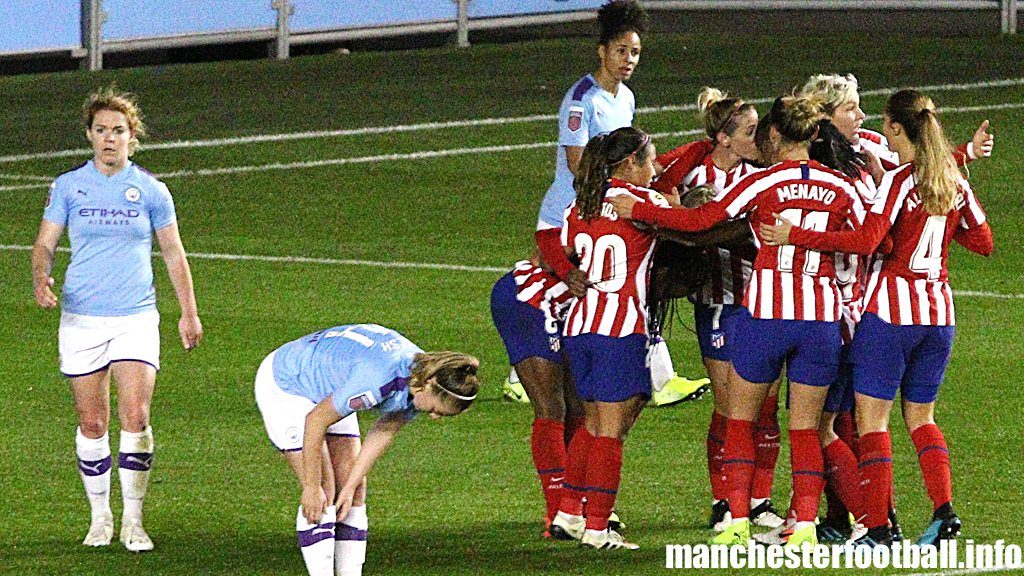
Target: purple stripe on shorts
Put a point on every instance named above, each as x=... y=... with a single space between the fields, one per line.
x=320 y=533
x=340 y=435
x=346 y=532
x=94 y=467
x=135 y=360
x=105 y=366
x=139 y=461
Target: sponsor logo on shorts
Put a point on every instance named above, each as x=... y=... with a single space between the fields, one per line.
x=362 y=401
x=292 y=434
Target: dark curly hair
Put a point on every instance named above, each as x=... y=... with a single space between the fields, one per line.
x=620 y=16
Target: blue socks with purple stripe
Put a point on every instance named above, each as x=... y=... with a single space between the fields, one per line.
x=316 y=541
x=350 y=542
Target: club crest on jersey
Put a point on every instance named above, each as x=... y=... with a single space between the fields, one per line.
x=363 y=401
x=717 y=340
x=132 y=194
x=575 y=118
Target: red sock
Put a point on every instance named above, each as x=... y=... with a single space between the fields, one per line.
x=571 y=427
x=846 y=430
x=766 y=448
x=843 y=478
x=604 y=473
x=715 y=444
x=933 y=455
x=573 y=486
x=738 y=465
x=875 y=477
x=808 y=473
x=549 y=460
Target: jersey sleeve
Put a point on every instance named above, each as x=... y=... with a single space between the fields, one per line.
x=574 y=119
x=971 y=215
x=162 y=213
x=57 y=203
x=679 y=162
x=682 y=219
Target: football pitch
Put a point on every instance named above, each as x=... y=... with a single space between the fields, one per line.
x=396 y=188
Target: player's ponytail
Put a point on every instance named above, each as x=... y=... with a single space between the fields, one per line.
x=454 y=377
x=719 y=112
x=797 y=118
x=935 y=171
x=600 y=158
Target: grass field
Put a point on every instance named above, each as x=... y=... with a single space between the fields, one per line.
x=456 y=496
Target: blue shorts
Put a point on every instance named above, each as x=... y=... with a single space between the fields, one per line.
x=910 y=358
x=840 y=393
x=713 y=329
x=522 y=326
x=608 y=369
x=810 y=349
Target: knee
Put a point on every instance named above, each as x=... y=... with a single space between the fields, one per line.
x=135 y=418
x=93 y=426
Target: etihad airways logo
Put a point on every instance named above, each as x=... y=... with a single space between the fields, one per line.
x=107 y=213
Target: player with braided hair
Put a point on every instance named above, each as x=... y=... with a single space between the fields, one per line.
x=309 y=392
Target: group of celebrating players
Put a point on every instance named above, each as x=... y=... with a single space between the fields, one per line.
x=824 y=249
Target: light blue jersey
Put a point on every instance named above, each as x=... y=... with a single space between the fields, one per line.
x=587 y=110
x=362 y=365
x=110 y=222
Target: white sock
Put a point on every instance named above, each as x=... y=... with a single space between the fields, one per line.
x=660 y=363
x=755 y=502
x=134 y=461
x=94 y=467
x=350 y=542
x=316 y=541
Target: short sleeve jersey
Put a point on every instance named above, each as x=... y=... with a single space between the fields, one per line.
x=587 y=110
x=361 y=366
x=110 y=222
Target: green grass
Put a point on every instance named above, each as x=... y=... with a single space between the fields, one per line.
x=456 y=496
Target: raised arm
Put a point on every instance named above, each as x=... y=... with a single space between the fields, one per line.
x=42 y=263
x=380 y=436
x=682 y=219
x=189 y=326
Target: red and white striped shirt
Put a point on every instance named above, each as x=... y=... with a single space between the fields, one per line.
x=912 y=285
x=542 y=290
x=853 y=270
x=615 y=254
x=788 y=283
x=878 y=145
x=728 y=272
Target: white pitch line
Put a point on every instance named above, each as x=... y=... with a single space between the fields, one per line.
x=1002 y=83
x=964 y=571
x=400 y=264
x=26 y=177
x=442 y=153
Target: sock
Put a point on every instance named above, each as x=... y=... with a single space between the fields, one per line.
x=133 y=462
x=316 y=541
x=875 y=470
x=808 y=473
x=845 y=428
x=573 y=486
x=350 y=542
x=738 y=466
x=933 y=455
x=604 y=474
x=548 y=448
x=843 y=478
x=766 y=448
x=716 y=453
x=571 y=427
x=94 y=466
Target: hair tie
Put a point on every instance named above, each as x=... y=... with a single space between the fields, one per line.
x=460 y=397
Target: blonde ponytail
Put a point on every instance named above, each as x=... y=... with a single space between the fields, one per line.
x=935 y=169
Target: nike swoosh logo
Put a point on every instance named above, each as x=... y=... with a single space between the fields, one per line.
x=559 y=479
x=776 y=437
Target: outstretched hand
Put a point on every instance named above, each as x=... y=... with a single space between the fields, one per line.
x=623 y=205
x=983 y=141
x=777 y=234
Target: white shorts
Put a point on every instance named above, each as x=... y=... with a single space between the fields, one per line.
x=89 y=344
x=284 y=414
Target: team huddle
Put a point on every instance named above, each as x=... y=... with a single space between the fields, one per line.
x=816 y=249
x=810 y=248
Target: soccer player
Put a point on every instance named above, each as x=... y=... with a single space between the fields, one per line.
x=791 y=308
x=730 y=124
x=112 y=208
x=309 y=392
x=596 y=104
x=904 y=339
x=606 y=336
x=842 y=106
x=528 y=305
